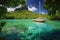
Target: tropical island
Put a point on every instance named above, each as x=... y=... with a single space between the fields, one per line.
x=19 y=25
x=53 y=10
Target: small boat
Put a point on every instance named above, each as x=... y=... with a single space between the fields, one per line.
x=39 y=20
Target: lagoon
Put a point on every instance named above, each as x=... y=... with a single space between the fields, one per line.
x=26 y=29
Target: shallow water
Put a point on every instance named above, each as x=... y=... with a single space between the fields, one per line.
x=27 y=29
x=54 y=23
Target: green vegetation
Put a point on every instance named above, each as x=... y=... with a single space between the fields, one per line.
x=24 y=14
x=12 y=3
x=9 y=3
x=2 y=24
x=53 y=6
x=55 y=17
x=3 y=11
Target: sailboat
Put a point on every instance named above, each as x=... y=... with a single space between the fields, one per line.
x=39 y=19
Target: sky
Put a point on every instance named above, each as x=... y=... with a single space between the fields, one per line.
x=36 y=6
x=33 y=5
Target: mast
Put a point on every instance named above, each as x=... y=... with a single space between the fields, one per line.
x=40 y=9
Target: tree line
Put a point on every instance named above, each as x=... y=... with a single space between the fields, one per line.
x=53 y=7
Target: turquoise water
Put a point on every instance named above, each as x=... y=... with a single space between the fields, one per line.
x=54 y=23
x=28 y=30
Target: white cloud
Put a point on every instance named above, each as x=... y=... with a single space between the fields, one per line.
x=13 y=9
x=44 y=12
x=32 y=8
x=10 y=9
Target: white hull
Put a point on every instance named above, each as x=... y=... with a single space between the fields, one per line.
x=39 y=20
